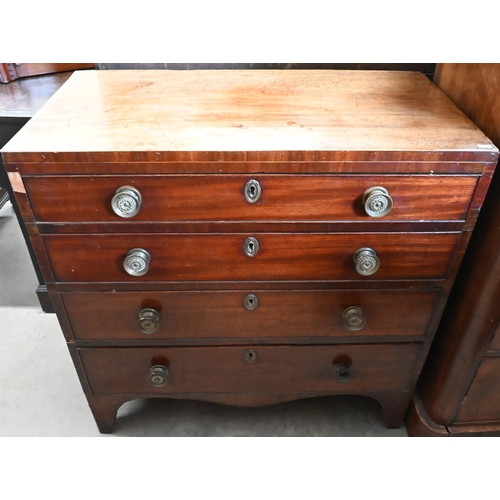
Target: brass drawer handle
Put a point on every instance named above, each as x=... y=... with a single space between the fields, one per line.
x=377 y=201
x=149 y=321
x=126 y=202
x=137 y=261
x=354 y=319
x=158 y=375
x=251 y=302
x=251 y=246
x=252 y=191
x=343 y=373
x=366 y=261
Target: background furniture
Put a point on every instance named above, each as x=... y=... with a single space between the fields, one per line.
x=13 y=71
x=459 y=391
x=249 y=237
x=19 y=101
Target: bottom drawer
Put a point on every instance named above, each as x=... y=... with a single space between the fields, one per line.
x=340 y=368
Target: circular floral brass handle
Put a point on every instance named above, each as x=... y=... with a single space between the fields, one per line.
x=149 y=321
x=366 y=260
x=126 y=202
x=377 y=201
x=137 y=261
x=354 y=319
x=158 y=375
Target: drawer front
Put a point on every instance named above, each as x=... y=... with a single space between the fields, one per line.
x=222 y=198
x=482 y=402
x=221 y=257
x=273 y=368
x=247 y=314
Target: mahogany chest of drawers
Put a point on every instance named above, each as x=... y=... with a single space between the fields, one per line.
x=249 y=237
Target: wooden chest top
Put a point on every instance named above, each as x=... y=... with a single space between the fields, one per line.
x=249 y=115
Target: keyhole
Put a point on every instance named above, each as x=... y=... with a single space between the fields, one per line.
x=252 y=191
x=251 y=302
x=251 y=247
x=250 y=355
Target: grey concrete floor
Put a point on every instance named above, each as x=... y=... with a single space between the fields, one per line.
x=40 y=394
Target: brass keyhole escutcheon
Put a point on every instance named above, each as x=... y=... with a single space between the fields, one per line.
x=250 y=355
x=252 y=191
x=251 y=302
x=251 y=246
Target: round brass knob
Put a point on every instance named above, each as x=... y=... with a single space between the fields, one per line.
x=250 y=355
x=354 y=318
x=126 y=202
x=377 y=201
x=149 y=321
x=366 y=261
x=158 y=375
x=137 y=261
x=343 y=373
x=251 y=302
x=252 y=191
x=251 y=246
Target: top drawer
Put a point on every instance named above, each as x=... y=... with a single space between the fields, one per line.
x=245 y=198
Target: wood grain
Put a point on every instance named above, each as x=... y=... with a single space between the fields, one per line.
x=221 y=198
x=238 y=110
x=75 y=164
x=214 y=257
x=482 y=402
x=472 y=312
x=224 y=369
x=495 y=340
x=283 y=314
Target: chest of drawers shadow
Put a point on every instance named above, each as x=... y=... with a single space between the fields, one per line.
x=249 y=237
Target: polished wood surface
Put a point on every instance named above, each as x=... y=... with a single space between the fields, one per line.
x=472 y=314
x=473 y=87
x=251 y=163
x=224 y=369
x=241 y=111
x=221 y=314
x=221 y=198
x=214 y=257
x=482 y=402
x=495 y=341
